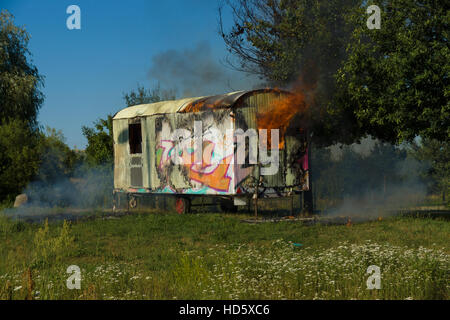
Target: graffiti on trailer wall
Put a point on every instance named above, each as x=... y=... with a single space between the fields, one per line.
x=216 y=173
x=207 y=177
x=265 y=152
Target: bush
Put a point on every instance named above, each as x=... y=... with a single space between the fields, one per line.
x=49 y=249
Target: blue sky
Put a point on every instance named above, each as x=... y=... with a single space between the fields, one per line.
x=87 y=71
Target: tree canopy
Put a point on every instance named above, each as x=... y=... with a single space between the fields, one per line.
x=20 y=100
x=436 y=154
x=395 y=78
x=298 y=45
x=99 y=150
x=391 y=83
x=19 y=158
x=20 y=82
x=57 y=160
x=142 y=95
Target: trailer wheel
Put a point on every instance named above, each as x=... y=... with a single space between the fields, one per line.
x=182 y=205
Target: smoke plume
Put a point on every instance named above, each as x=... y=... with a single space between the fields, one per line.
x=196 y=72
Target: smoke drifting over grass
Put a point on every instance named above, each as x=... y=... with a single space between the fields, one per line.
x=197 y=72
x=90 y=188
x=377 y=203
x=399 y=187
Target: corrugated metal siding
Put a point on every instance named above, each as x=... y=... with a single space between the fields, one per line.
x=245 y=119
x=178 y=177
x=146 y=154
x=260 y=103
x=149 y=136
x=292 y=173
x=120 y=133
x=162 y=107
x=188 y=104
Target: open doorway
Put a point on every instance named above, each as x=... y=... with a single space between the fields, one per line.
x=135 y=142
x=135 y=137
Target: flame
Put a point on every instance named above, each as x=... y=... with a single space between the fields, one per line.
x=280 y=112
x=349 y=222
x=280 y=115
x=201 y=106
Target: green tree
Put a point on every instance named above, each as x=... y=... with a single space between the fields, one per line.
x=142 y=95
x=51 y=185
x=299 y=45
x=99 y=150
x=395 y=79
x=437 y=155
x=57 y=160
x=391 y=83
x=383 y=168
x=20 y=82
x=281 y=40
x=19 y=158
x=376 y=174
x=20 y=100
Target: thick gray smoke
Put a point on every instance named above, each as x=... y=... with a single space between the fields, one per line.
x=197 y=72
x=400 y=189
x=90 y=188
x=363 y=148
x=381 y=203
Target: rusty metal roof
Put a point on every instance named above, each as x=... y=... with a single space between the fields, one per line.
x=187 y=104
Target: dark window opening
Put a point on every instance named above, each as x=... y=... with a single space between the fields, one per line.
x=135 y=138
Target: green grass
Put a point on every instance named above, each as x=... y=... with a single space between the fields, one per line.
x=216 y=256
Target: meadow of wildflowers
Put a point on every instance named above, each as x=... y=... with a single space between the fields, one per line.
x=219 y=257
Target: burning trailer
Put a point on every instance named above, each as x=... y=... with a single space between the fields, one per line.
x=234 y=147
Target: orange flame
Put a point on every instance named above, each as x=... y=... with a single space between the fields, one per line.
x=280 y=115
x=201 y=106
x=349 y=222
